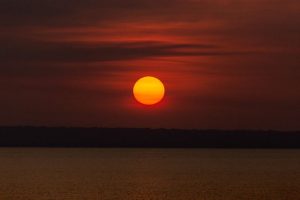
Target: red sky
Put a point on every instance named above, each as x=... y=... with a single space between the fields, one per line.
x=225 y=64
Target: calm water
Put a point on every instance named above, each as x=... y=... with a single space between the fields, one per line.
x=148 y=174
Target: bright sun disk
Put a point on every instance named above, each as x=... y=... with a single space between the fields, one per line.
x=148 y=90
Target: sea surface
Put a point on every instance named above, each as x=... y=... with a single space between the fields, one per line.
x=148 y=174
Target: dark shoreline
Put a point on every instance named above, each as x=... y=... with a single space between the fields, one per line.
x=145 y=138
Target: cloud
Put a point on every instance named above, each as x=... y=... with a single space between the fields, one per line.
x=81 y=12
x=77 y=52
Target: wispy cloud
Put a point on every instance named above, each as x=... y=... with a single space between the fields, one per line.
x=113 y=51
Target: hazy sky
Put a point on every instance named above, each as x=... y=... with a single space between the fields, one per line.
x=225 y=63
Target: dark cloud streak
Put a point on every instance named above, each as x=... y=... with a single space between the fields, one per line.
x=72 y=52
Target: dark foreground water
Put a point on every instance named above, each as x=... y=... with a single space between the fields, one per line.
x=148 y=174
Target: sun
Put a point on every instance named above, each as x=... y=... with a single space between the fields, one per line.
x=148 y=90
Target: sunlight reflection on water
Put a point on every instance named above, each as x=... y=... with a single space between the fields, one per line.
x=128 y=174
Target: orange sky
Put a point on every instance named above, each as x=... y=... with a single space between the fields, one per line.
x=225 y=64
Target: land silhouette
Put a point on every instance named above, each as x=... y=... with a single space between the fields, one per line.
x=139 y=137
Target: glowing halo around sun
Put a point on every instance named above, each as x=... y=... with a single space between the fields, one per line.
x=148 y=90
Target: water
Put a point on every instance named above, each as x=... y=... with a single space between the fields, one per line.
x=148 y=174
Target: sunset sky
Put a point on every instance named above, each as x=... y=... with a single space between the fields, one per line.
x=226 y=64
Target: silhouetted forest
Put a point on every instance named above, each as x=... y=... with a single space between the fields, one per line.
x=136 y=137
